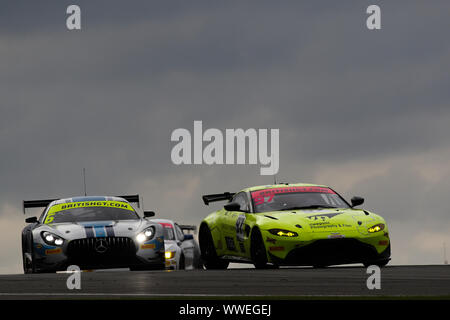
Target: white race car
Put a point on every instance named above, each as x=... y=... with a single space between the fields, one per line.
x=92 y=233
x=182 y=251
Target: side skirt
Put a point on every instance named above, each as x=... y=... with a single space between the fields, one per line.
x=236 y=259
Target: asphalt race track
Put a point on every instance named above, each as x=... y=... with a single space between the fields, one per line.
x=396 y=281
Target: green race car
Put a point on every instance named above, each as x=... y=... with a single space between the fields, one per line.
x=291 y=224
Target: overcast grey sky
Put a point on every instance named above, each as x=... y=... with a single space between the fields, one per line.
x=366 y=112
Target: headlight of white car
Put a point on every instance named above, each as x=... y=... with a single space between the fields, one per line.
x=169 y=254
x=52 y=239
x=146 y=235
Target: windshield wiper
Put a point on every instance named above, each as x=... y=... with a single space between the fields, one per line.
x=313 y=206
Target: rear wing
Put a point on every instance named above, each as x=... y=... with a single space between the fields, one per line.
x=217 y=197
x=44 y=203
x=188 y=228
x=133 y=198
x=36 y=203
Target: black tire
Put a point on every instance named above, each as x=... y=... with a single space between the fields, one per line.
x=208 y=251
x=382 y=260
x=199 y=264
x=181 y=265
x=28 y=266
x=258 y=250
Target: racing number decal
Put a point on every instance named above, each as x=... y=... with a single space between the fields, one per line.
x=240 y=222
x=262 y=196
x=49 y=219
x=261 y=199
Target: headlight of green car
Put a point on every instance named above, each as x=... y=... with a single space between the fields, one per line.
x=283 y=233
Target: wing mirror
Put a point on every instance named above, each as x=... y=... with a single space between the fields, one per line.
x=148 y=214
x=31 y=220
x=232 y=206
x=356 y=201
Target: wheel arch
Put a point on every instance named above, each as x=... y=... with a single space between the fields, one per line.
x=256 y=231
x=27 y=239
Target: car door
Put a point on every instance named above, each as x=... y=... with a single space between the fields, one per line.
x=186 y=246
x=234 y=226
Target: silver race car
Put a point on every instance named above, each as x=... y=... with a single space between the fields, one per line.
x=182 y=251
x=92 y=233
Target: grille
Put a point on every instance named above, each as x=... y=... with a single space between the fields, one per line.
x=332 y=251
x=101 y=251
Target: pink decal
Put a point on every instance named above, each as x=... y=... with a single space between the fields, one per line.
x=166 y=225
x=259 y=197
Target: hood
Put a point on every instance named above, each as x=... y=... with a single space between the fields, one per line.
x=95 y=229
x=320 y=220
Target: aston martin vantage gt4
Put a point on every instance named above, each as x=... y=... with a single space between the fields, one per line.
x=292 y=224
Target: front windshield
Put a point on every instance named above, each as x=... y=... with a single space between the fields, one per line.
x=90 y=211
x=292 y=198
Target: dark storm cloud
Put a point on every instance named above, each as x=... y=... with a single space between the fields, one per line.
x=108 y=97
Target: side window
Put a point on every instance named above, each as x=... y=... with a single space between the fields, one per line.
x=179 y=232
x=241 y=198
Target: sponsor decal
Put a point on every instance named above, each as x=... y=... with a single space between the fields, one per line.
x=336 y=236
x=383 y=242
x=276 y=248
x=323 y=216
x=230 y=243
x=148 y=246
x=53 y=251
x=330 y=226
x=271 y=240
x=41 y=249
x=60 y=208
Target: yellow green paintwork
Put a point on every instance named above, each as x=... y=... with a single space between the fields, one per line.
x=314 y=226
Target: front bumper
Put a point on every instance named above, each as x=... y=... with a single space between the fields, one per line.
x=120 y=252
x=332 y=252
x=327 y=249
x=171 y=264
